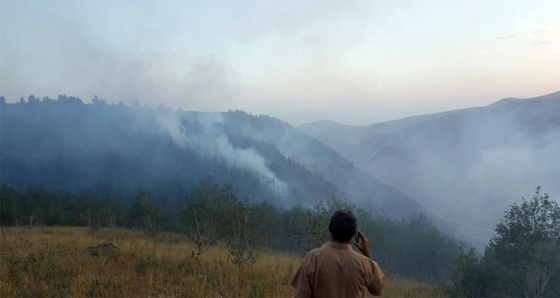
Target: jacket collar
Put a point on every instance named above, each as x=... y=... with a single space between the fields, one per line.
x=338 y=245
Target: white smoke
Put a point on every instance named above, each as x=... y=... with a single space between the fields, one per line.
x=207 y=137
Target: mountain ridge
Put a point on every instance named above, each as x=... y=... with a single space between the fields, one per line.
x=67 y=145
x=485 y=156
x=506 y=100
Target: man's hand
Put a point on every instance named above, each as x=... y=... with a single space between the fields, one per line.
x=363 y=245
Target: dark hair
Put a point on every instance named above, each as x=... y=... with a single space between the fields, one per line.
x=343 y=225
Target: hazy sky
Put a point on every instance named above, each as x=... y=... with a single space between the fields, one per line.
x=356 y=62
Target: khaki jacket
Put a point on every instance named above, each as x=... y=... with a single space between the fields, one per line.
x=335 y=270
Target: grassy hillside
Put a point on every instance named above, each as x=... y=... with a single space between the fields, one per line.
x=62 y=261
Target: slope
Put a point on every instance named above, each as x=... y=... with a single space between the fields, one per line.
x=465 y=165
x=114 y=150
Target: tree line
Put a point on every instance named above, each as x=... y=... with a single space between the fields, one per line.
x=522 y=259
x=215 y=214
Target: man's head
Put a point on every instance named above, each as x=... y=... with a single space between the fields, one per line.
x=343 y=226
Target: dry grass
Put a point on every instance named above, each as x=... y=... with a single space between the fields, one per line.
x=53 y=262
x=403 y=287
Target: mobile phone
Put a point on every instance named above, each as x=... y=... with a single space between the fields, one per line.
x=357 y=237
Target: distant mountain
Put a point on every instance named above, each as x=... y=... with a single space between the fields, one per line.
x=466 y=166
x=114 y=150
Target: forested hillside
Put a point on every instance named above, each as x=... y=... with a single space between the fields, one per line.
x=114 y=150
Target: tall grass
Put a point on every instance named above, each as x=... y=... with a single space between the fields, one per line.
x=68 y=261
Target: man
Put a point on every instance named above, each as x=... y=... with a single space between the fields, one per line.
x=334 y=269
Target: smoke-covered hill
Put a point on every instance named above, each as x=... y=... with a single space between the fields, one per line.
x=114 y=150
x=467 y=165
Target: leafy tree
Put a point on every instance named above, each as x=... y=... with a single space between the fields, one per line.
x=98 y=101
x=471 y=278
x=266 y=223
x=203 y=234
x=526 y=247
x=211 y=205
x=523 y=257
x=217 y=213
x=310 y=225
x=32 y=99
x=145 y=213
x=98 y=212
x=110 y=212
x=88 y=208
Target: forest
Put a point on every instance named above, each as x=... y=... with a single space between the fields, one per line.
x=114 y=149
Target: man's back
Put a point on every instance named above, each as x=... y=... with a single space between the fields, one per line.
x=335 y=270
